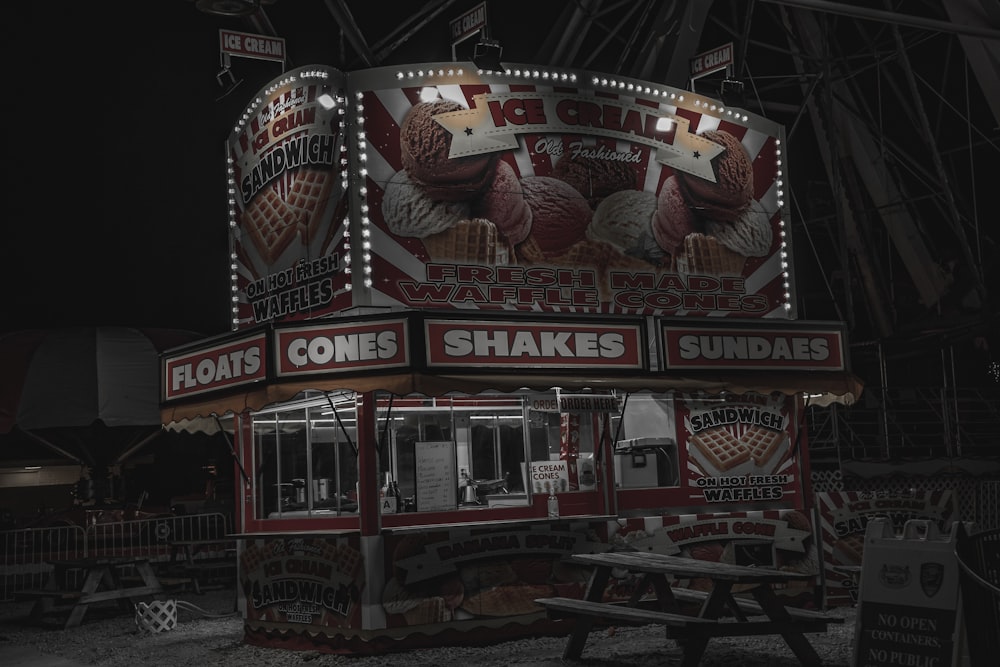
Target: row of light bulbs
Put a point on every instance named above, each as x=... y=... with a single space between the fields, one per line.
x=707 y=106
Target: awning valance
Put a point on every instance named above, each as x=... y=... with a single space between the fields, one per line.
x=822 y=388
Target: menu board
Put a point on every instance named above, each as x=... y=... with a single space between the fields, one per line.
x=437 y=483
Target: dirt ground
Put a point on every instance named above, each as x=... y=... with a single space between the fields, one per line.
x=208 y=633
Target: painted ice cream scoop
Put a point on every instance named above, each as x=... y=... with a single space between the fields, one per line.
x=624 y=219
x=673 y=220
x=729 y=196
x=425 y=145
x=593 y=177
x=559 y=214
x=410 y=211
x=503 y=203
x=750 y=236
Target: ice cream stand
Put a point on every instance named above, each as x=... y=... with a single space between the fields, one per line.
x=485 y=320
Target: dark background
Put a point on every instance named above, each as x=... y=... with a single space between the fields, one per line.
x=115 y=124
x=115 y=130
x=116 y=162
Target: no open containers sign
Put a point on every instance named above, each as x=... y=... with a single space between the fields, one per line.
x=908 y=606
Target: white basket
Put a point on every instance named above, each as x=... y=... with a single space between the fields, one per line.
x=157 y=616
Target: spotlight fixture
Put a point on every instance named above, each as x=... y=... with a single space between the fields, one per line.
x=229 y=86
x=486 y=55
x=226 y=73
x=731 y=92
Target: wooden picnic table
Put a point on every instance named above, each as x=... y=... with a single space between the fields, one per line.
x=720 y=613
x=218 y=558
x=102 y=582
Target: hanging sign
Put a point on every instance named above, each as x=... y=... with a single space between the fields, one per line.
x=248 y=45
x=717 y=59
x=468 y=24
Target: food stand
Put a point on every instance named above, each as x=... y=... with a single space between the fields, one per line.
x=486 y=320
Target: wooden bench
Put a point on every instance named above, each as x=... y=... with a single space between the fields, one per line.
x=751 y=607
x=605 y=611
x=206 y=572
x=44 y=594
x=679 y=627
x=165 y=581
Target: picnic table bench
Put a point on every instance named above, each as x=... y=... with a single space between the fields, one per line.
x=203 y=561
x=102 y=582
x=765 y=614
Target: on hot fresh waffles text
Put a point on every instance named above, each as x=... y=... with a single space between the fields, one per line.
x=520 y=285
x=299 y=288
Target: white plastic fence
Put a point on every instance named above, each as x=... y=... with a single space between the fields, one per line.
x=26 y=554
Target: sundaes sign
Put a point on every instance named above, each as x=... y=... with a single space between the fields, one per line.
x=533 y=344
x=752 y=349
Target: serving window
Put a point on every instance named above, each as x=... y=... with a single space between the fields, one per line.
x=431 y=454
x=306 y=458
x=645 y=442
x=453 y=452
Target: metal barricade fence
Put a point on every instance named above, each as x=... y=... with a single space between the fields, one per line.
x=151 y=538
x=26 y=553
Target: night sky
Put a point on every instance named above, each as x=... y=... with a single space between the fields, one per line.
x=114 y=144
x=119 y=208
x=115 y=154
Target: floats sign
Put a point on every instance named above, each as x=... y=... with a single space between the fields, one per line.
x=213 y=368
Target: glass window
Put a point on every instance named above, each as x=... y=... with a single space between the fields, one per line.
x=306 y=460
x=646 y=442
x=434 y=454
x=486 y=450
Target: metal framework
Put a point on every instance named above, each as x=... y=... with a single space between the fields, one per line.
x=892 y=114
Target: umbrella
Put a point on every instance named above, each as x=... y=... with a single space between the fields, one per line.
x=91 y=394
x=73 y=377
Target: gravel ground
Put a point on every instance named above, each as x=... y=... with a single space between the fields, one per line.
x=115 y=640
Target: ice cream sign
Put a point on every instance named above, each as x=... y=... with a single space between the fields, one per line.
x=510 y=114
x=442 y=187
x=714 y=60
x=544 y=191
x=287 y=194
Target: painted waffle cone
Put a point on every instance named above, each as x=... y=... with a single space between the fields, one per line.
x=705 y=255
x=308 y=198
x=528 y=252
x=470 y=241
x=619 y=261
x=585 y=254
x=271 y=224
